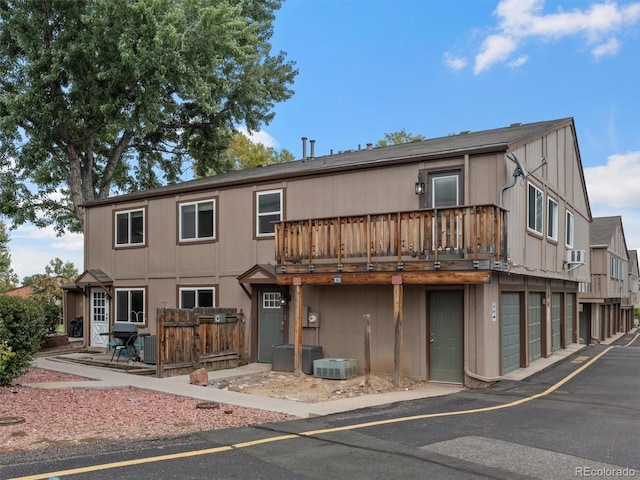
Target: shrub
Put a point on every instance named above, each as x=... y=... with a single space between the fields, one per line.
x=22 y=331
x=5 y=355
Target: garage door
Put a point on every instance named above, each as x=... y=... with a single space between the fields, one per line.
x=556 y=332
x=569 y=317
x=510 y=331
x=535 y=326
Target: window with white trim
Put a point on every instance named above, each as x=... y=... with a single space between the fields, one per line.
x=130 y=305
x=535 y=209
x=617 y=268
x=569 y=235
x=271 y=300
x=552 y=219
x=197 y=220
x=129 y=228
x=445 y=189
x=269 y=206
x=197 y=297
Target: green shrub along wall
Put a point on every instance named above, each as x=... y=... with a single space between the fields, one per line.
x=22 y=332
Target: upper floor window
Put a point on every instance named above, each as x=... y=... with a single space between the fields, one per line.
x=191 y=297
x=552 y=219
x=130 y=305
x=569 y=239
x=535 y=207
x=617 y=268
x=197 y=220
x=445 y=189
x=129 y=228
x=269 y=206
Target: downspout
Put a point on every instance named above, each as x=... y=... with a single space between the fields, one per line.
x=468 y=372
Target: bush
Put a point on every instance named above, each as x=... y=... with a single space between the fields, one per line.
x=22 y=332
x=52 y=314
x=5 y=355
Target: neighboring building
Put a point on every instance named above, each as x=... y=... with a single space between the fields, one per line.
x=465 y=251
x=22 y=291
x=631 y=301
x=606 y=309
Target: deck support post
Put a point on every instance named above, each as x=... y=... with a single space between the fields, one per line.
x=297 y=326
x=396 y=280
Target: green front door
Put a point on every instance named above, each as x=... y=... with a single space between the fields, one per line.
x=445 y=337
x=270 y=324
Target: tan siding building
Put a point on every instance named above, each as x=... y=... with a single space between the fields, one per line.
x=464 y=251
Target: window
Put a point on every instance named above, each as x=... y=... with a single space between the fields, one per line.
x=197 y=220
x=445 y=190
x=535 y=209
x=617 y=268
x=129 y=228
x=552 y=219
x=130 y=305
x=197 y=297
x=569 y=229
x=268 y=210
x=271 y=300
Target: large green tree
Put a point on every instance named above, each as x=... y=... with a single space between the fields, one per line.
x=110 y=96
x=395 y=138
x=8 y=278
x=243 y=153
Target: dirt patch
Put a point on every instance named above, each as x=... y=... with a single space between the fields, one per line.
x=309 y=389
x=36 y=418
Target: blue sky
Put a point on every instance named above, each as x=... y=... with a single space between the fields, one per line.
x=435 y=67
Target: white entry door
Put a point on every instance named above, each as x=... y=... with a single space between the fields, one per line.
x=99 y=317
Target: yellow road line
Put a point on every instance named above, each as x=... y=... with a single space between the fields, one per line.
x=461 y=412
x=633 y=339
x=226 y=448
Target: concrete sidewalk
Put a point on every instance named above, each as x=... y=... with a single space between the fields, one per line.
x=179 y=385
x=102 y=377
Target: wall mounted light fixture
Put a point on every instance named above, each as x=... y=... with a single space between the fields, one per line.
x=420 y=186
x=284 y=299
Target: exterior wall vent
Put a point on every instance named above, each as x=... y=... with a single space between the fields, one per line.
x=576 y=257
x=335 y=368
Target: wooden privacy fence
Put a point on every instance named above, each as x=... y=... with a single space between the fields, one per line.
x=212 y=338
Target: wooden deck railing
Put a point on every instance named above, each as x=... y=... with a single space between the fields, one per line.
x=471 y=231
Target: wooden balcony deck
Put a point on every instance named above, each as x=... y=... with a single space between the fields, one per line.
x=465 y=238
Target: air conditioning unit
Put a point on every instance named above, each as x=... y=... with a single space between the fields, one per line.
x=335 y=368
x=576 y=257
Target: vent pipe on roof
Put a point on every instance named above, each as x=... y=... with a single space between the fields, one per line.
x=369 y=146
x=313 y=143
x=304 y=147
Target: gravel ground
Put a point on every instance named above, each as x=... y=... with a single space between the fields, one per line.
x=67 y=417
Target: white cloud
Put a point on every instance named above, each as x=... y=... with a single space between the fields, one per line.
x=32 y=248
x=454 y=62
x=518 y=62
x=495 y=48
x=519 y=20
x=260 y=137
x=616 y=183
x=611 y=47
x=613 y=190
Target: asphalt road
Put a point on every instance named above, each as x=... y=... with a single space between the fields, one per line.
x=578 y=419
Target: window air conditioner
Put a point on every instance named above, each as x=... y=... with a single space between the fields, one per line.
x=576 y=257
